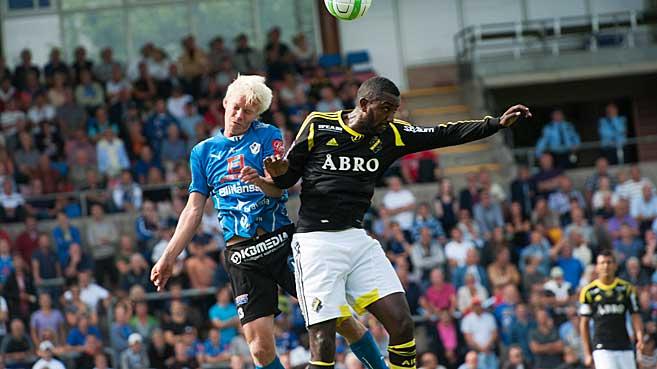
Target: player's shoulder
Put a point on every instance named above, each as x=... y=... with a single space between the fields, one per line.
x=624 y=285
x=265 y=130
x=208 y=143
x=331 y=118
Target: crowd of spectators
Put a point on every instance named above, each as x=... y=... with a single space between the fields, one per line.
x=491 y=271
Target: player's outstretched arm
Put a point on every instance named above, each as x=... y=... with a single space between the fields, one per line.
x=189 y=220
x=265 y=183
x=410 y=138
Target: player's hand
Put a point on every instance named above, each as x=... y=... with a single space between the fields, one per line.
x=276 y=166
x=161 y=272
x=588 y=360
x=511 y=116
x=250 y=175
x=639 y=345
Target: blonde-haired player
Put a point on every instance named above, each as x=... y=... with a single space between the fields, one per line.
x=257 y=230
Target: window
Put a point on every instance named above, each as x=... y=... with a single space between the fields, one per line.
x=163 y=25
x=222 y=18
x=95 y=30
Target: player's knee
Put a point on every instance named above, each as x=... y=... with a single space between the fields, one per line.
x=351 y=329
x=404 y=329
x=262 y=350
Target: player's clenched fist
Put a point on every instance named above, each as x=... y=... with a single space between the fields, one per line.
x=250 y=175
x=161 y=272
x=511 y=116
x=276 y=166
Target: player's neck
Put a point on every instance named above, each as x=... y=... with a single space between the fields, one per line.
x=351 y=119
x=607 y=280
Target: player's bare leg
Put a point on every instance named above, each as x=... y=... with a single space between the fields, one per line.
x=393 y=312
x=322 y=345
x=259 y=335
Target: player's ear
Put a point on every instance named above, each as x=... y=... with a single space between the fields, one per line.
x=363 y=103
x=224 y=102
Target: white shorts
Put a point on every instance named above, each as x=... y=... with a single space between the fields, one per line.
x=614 y=359
x=339 y=270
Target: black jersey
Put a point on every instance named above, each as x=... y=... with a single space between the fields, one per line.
x=608 y=306
x=340 y=166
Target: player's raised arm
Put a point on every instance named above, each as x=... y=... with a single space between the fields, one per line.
x=285 y=172
x=410 y=138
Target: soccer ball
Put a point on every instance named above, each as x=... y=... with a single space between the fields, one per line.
x=347 y=9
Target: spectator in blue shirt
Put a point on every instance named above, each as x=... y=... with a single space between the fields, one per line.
x=155 y=129
x=424 y=219
x=538 y=248
x=120 y=329
x=627 y=245
x=572 y=268
x=78 y=334
x=560 y=138
x=488 y=214
x=146 y=161
x=224 y=317
x=613 y=133
x=214 y=351
x=64 y=235
x=6 y=261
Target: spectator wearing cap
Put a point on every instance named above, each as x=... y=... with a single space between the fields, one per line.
x=17 y=346
x=480 y=331
x=47 y=360
x=545 y=342
x=135 y=357
x=561 y=288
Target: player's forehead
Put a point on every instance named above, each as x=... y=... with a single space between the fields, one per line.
x=387 y=99
x=241 y=101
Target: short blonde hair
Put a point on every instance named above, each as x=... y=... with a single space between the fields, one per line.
x=253 y=89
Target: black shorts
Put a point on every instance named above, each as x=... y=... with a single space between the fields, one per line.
x=257 y=267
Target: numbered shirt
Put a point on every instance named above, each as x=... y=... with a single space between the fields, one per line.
x=216 y=164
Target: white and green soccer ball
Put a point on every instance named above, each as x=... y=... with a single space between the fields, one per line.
x=347 y=9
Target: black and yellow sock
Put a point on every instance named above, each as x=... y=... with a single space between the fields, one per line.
x=402 y=356
x=321 y=365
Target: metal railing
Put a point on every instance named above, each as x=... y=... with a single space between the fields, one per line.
x=528 y=155
x=552 y=36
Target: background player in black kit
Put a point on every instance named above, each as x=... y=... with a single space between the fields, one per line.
x=340 y=156
x=607 y=300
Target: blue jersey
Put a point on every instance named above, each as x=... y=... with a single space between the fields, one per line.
x=216 y=164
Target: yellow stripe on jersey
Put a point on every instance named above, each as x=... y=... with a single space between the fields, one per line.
x=399 y=121
x=311 y=136
x=584 y=294
x=606 y=287
x=347 y=128
x=398 y=139
x=311 y=116
x=321 y=363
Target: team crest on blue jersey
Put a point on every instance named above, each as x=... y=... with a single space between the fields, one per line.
x=255 y=148
x=235 y=164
